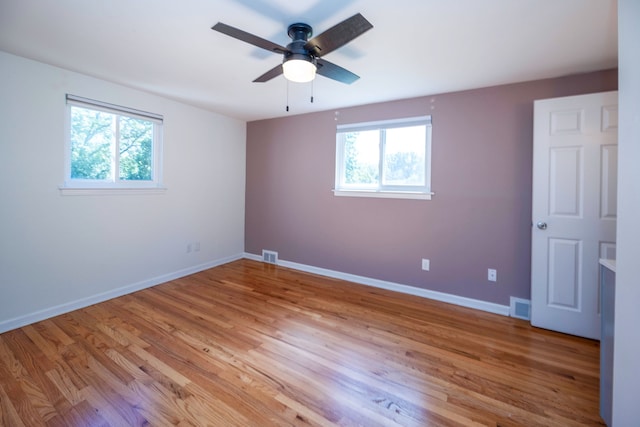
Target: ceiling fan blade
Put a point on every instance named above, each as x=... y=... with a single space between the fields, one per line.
x=249 y=38
x=335 y=72
x=338 y=35
x=274 y=72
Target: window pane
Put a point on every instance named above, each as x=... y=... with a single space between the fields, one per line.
x=136 y=142
x=404 y=156
x=361 y=157
x=91 y=144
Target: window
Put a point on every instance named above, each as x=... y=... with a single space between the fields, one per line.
x=111 y=147
x=384 y=159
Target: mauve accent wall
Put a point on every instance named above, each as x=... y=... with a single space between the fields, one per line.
x=479 y=218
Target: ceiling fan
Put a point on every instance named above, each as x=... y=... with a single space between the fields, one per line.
x=302 y=58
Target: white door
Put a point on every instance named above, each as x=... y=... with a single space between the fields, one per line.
x=575 y=157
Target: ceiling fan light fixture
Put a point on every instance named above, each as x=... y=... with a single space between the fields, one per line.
x=299 y=70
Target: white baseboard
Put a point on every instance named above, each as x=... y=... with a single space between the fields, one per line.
x=47 y=313
x=397 y=287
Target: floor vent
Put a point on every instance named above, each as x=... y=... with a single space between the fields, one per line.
x=270 y=256
x=520 y=308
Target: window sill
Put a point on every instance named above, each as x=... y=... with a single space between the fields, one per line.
x=84 y=191
x=384 y=194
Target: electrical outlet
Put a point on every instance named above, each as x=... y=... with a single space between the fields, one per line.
x=492 y=275
x=425 y=264
x=193 y=247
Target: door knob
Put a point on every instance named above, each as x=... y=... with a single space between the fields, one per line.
x=541 y=225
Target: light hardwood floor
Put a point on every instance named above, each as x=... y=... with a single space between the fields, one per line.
x=252 y=344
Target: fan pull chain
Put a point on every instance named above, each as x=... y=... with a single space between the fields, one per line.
x=287 y=95
x=312 y=91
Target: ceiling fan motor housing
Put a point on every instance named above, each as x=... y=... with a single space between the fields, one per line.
x=299 y=34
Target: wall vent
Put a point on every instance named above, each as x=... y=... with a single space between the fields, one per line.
x=520 y=308
x=270 y=257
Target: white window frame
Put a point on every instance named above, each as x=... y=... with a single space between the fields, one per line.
x=74 y=186
x=380 y=190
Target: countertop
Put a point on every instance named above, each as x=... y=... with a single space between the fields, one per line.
x=608 y=263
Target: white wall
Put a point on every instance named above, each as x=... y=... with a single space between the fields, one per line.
x=61 y=252
x=626 y=367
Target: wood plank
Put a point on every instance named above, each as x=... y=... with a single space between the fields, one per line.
x=39 y=403
x=8 y=414
x=248 y=343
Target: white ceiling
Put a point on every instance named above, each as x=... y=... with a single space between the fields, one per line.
x=417 y=47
